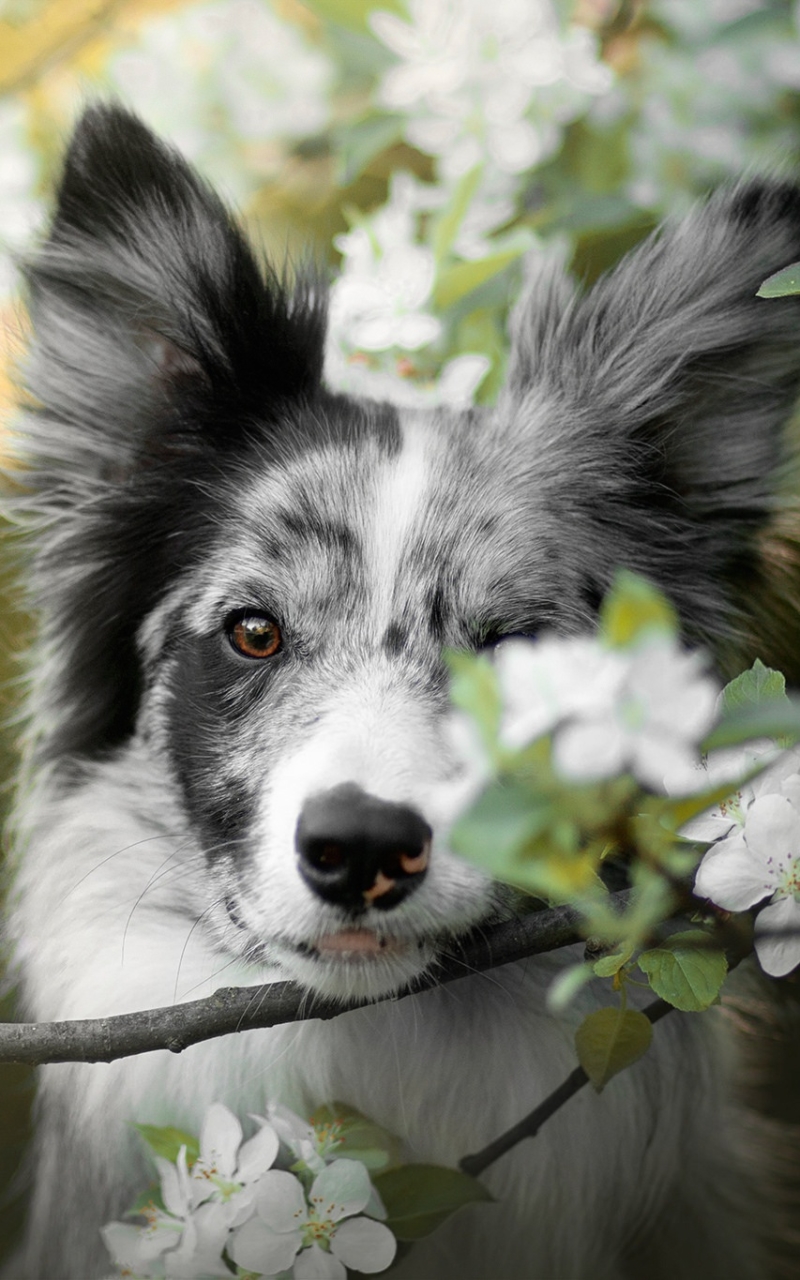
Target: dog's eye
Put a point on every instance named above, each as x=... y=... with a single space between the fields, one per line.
x=491 y=639
x=254 y=635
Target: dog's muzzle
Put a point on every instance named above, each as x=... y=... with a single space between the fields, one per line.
x=357 y=851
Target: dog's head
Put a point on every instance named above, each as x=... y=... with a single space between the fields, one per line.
x=255 y=578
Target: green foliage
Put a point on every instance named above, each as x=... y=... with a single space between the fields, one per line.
x=353 y=14
x=609 y=1040
x=685 y=970
x=357 y=143
x=782 y=284
x=149 y=1199
x=448 y=223
x=347 y=1132
x=753 y=688
x=464 y=278
x=634 y=610
x=166 y=1141
x=419 y=1197
x=776 y=718
x=500 y=826
x=474 y=688
x=610 y=965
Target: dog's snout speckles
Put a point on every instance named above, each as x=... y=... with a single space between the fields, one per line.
x=358 y=851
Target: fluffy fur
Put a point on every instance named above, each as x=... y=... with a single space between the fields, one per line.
x=184 y=463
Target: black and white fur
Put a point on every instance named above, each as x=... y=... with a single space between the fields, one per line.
x=184 y=462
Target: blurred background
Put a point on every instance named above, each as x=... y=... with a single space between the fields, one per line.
x=428 y=151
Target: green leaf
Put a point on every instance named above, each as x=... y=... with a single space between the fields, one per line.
x=356 y=1137
x=499 y=825
x=483 y=330
x=151 y=1198
x=782 y=283
x=451 y=217
x=609 y=1040
x=353 y=13
x=779 y=718
x=753 y=688
x=166 y=1141
x=685 y=970
x=474 y=687
x=455 y=283
x=419 y=1197
x=608 y=966
x=633 y=609
x=565 y=987
x=674 y=812
x=357 y=144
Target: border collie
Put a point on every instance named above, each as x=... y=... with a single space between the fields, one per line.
x=244 y=584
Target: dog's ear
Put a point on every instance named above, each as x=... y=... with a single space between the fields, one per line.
x=146 y=294
x=657 y=403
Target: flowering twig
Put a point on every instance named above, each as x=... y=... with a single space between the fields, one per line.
x=532 y=1123
x=233 y=1009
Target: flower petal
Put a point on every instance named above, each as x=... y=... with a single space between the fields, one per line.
x=315 y=1264
x=730 y=876
x=172 y=1190
x=134 y=1248
x=255 y=1248
x=343 y=1188
x=588 y=749
x=656 y=756
x=257 y=1154
x=281 y=1201
x=220 y=1138
x=772 y=832
x=778 y=955
x=364 y=1245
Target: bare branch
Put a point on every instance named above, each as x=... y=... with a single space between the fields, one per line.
x=532 y=1123
x=233 y=1009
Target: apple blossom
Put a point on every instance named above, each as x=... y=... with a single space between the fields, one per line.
x=309 y=1233
x=758 y=860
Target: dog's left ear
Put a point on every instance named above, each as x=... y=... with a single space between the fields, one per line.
x=146 y=294
x=656 y=404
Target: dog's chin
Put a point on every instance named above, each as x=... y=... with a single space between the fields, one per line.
x=356 y=963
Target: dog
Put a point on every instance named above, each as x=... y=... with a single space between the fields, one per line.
x=244 y=584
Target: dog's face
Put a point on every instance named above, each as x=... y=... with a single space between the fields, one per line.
x=297 y=689
x=256 y=580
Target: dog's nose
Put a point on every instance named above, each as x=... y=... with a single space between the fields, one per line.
x=358 y=851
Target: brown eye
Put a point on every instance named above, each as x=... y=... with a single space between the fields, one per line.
x=255 y=636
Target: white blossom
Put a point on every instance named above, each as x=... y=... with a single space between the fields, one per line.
x=758 y=860
x=386 y=279
x=181 y=1242
x=232 y=1200
x=289 y=1228
x=379 y=309
x=226 y=1165
x=222 y=78
x=546 y=682
x=662 y=709
x=487 y=83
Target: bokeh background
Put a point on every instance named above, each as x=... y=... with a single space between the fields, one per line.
x=426 y=151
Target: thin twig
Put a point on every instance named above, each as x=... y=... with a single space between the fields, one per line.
x=530 y=1125
x=233 y=1009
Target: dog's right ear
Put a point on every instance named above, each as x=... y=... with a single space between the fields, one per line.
x=154 y=327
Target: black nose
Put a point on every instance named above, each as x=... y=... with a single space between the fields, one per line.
x=358 y=851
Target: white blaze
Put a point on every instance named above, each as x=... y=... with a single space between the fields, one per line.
x=401 y=487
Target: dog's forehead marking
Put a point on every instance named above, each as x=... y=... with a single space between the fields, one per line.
x=401 y=487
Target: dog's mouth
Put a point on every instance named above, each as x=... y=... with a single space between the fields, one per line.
x=355 y=962
x=360 y=943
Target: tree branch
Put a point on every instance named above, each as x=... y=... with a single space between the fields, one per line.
x=532 y=1123
x=233 y=1009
